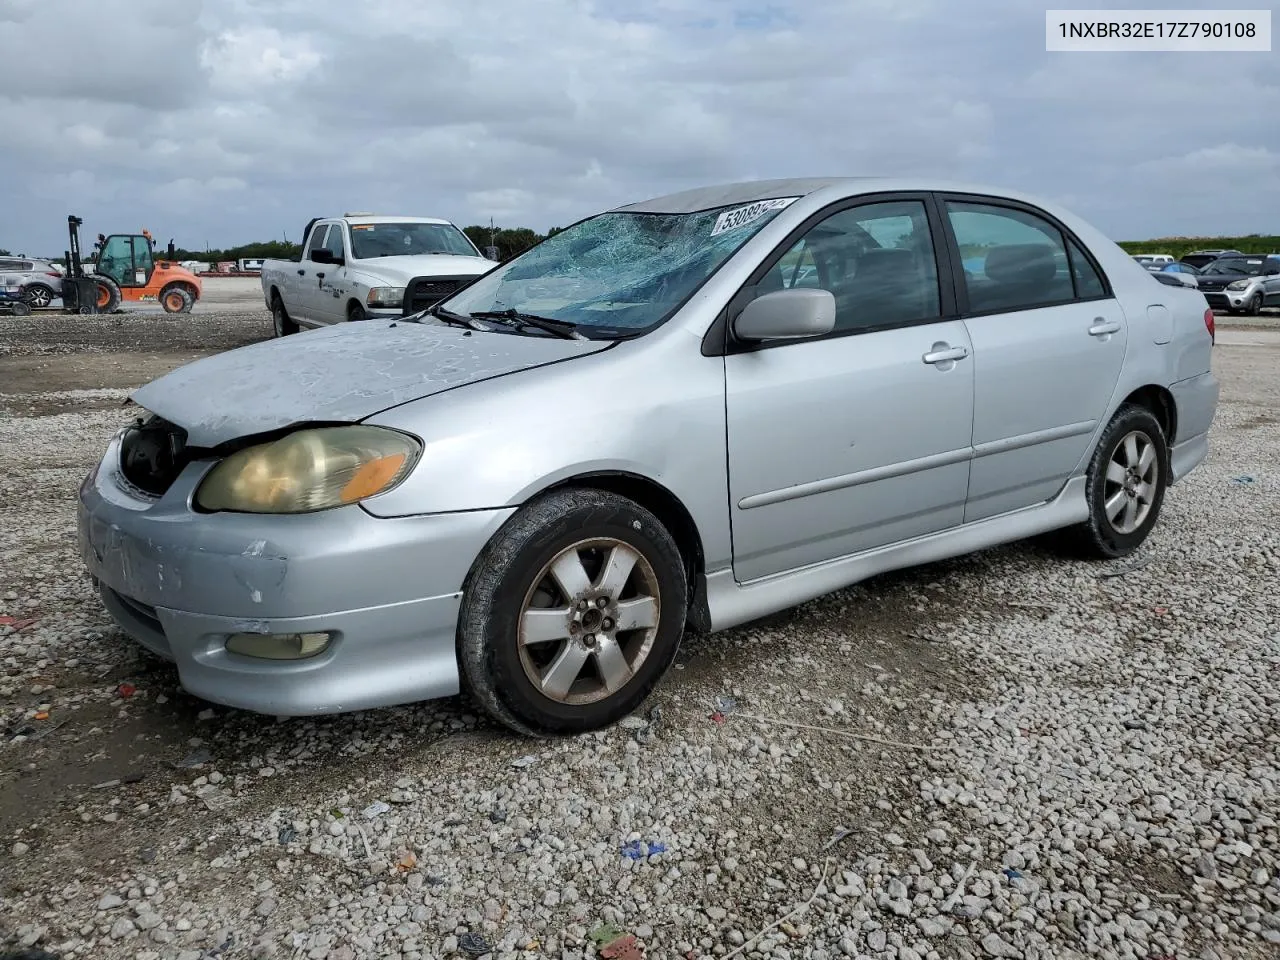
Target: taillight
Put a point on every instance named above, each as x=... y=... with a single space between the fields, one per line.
x=1208 y=325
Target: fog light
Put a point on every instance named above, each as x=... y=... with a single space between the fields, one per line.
x=278 y=646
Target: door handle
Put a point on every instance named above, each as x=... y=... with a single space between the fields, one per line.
x=1102 y=327
x=302 y=273
x=941 y=353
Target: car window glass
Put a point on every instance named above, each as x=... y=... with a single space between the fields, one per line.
x=1012 y=260
x=334 y=243
x=877 y=260
x=1088 y=283
x=317 y=241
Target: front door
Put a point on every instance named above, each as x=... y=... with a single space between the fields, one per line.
x=1048 y=344
x=331 y=299
x=860 y=438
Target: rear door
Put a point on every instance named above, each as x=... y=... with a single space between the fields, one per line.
x=1049 y=341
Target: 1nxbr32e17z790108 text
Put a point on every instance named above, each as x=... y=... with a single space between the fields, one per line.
x=1158 y=30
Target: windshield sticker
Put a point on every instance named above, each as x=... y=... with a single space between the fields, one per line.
x=732 y=219
x=362 y=226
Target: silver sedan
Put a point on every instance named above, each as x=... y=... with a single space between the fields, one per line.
x=678 y=415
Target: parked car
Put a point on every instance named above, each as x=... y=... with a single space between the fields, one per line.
x=1202 y=258
x=1241 y=284
x=1174 y=279
x=641 y=426
x=41 y=280
x=1153 y=258
x=356 y=267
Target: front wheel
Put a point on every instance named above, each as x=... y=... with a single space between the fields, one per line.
x=1127 y=479
x=38 y=295
x=572 y=613
x=356 y=313
x=108 y=293
x=1254 y=307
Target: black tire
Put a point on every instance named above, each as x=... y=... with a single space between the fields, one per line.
x=356 y=312
x=21 y=309
x=504 y=577
x=1254 y=306
x=1100 y=538
x=39 y=295
x=280 y=318
x=108 y=293
x=177 y=298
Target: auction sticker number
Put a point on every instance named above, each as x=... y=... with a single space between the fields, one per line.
x=740 y=217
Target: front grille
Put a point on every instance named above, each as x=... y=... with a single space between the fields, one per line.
x=152 y=454
x=423 y=292
x=143 y=611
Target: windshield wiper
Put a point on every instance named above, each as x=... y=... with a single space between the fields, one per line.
x=448 y=316
x=560 y=328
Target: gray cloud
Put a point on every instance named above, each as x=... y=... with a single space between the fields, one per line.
x=238 y=120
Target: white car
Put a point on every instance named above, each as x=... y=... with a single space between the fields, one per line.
x=360 y=266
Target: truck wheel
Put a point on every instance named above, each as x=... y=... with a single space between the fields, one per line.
x=356 y=313
x=280 y=318
x=572 y=613
x=108 y=294
x=176 y=298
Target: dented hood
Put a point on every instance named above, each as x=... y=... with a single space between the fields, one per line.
x=338 y=374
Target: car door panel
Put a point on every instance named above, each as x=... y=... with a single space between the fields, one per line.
x=840 y=446
x=852 y=441
x=1048 y=346
x=1041 y=384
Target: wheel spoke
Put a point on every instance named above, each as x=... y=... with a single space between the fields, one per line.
x=1131 y=450
x=1146 y=492
x=1147 y=459
x=613 y=665
x=638 y=613
x=542 y=625
x=1115 y=472
x=570 y=575
x=564 y=670
x=1115 y=503
x=1130 y=516
x=622 y=559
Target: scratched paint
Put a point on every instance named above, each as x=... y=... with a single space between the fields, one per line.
x=337 y=374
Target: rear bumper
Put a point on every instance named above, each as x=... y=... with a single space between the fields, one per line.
x=1196 y=403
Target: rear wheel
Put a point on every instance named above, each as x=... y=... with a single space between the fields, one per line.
x=572 y=613
x=38 y=295
x=1127 y=479
x=176 y=298
x=280 y=318
x=108 y=294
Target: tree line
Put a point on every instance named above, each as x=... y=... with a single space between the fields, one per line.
x=510 y=241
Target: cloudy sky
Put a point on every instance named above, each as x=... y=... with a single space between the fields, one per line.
x=227 y=121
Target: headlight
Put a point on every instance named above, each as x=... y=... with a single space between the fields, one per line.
x=310 y=470
x=1238 y=285
x=385 y=297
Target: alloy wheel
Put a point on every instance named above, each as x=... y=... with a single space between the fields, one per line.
x=589 y=621
x=1131 y=482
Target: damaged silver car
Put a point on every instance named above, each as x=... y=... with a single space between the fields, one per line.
x=681 y=414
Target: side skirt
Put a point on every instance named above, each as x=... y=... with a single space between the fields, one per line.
x=732 y=603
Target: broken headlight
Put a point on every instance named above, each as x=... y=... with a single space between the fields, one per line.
x=310 y=470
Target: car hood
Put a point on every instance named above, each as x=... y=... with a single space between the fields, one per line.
x=338 y=374
x=403 y=269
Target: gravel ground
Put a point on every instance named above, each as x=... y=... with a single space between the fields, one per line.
x=1006 y=755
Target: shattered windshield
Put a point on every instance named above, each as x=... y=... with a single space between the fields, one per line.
x=408 y=239
x=617 y=274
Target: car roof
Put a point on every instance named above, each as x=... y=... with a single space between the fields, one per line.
x=749 y=191
x=381 y=219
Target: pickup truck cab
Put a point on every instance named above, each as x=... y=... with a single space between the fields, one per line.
x=357 y=266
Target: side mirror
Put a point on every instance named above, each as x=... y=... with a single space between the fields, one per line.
x=786 y=315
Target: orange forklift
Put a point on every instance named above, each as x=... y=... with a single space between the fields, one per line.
x=126 y=270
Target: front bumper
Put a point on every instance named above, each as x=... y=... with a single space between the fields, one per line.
x=181 y=582
x=1227 y=299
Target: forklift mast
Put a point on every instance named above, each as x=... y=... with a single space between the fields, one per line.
x=75 y=266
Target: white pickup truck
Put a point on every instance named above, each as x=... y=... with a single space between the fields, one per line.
x=357 y=267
